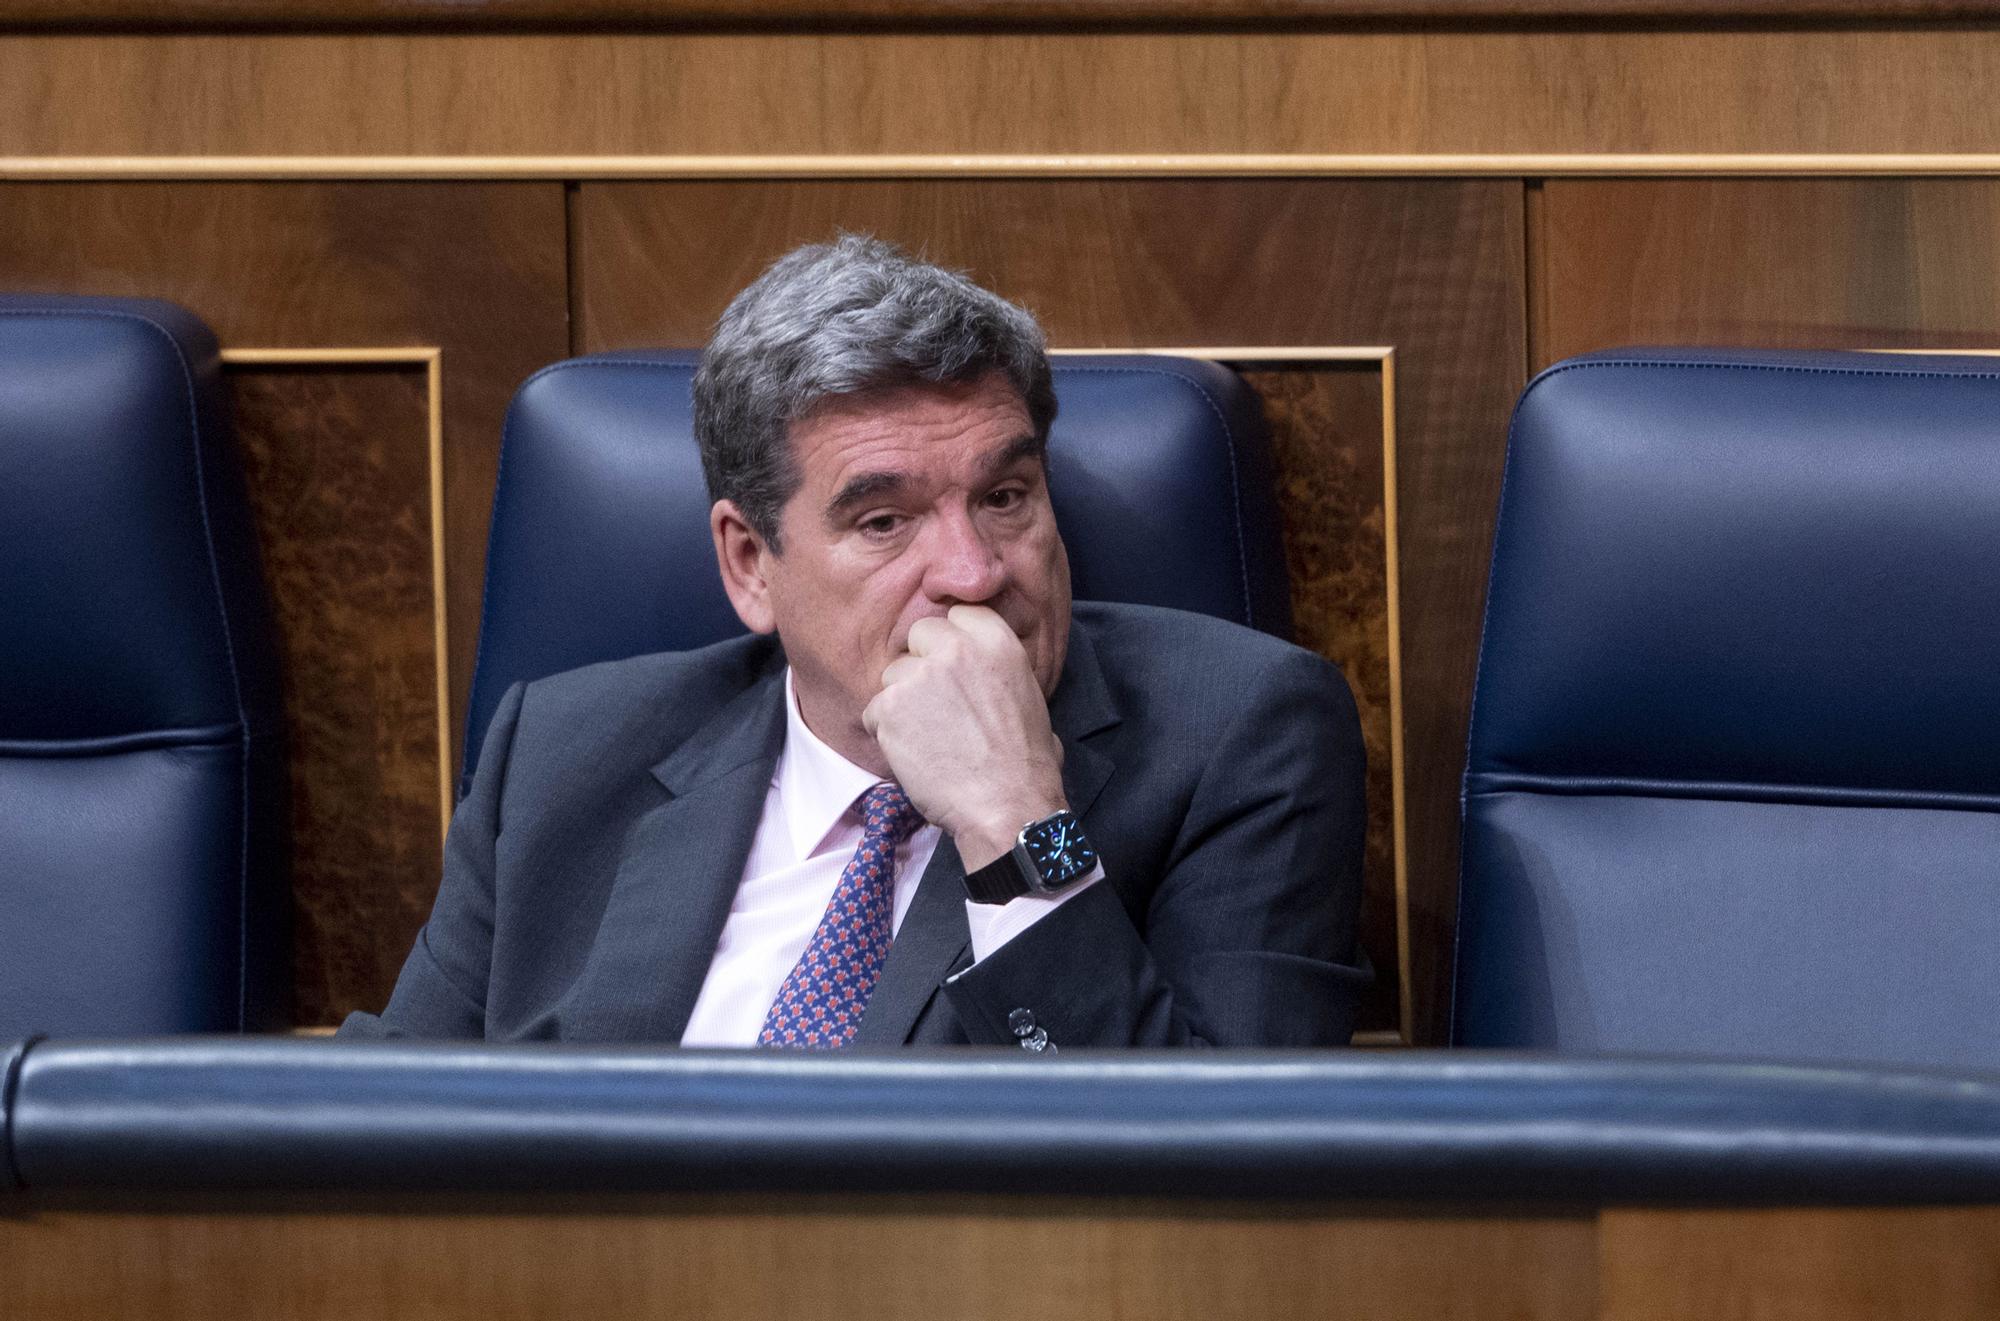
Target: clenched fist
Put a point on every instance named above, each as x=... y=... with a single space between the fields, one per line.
x=965 y=728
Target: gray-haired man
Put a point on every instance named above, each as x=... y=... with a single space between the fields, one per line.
x=928 y=799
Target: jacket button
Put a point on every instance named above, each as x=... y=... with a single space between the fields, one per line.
x=1021 y=1023
x=1038 y=1042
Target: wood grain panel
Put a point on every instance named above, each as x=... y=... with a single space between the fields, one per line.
x=775 y=1257
x=1861 y=263
x=1326 y=437
x=477 y=269
x=1372 y=91
x=1432 y=268
x=1913 y=1264
x=852 y=1261
x=338 y=462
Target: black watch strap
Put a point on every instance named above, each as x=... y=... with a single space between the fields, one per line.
x=998 y=881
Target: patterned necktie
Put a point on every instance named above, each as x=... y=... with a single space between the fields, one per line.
x=820 y=1004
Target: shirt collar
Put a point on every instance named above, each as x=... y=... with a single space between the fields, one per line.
x=816 y=785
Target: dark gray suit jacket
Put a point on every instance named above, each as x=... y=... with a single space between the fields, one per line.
x=1218 y=772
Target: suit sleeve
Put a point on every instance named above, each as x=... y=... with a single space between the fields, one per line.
x=1248 y=937
x=441 y=991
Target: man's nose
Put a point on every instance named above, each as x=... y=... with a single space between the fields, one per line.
x=963 y=565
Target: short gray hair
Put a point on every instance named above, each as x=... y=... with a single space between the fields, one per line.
x=849 y=317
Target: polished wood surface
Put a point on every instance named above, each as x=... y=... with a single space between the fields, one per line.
x=339 y=461
x=1429 y=268
x=982 y=1258
x=1796 y=1265
x=1858 y=264
x=899 y=15
x=867 y=1261
x=1378 y=91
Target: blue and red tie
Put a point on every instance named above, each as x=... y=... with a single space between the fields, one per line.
x=820 y=1004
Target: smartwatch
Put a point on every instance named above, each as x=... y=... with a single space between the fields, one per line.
x=1048 y=856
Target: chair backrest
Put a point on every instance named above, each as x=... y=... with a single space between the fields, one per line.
x=1159 y=469
x=1733 y=785
x=142 y=879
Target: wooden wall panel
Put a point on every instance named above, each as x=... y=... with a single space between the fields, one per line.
x=1801 y=1264
x=1432 y=269
x=990 y=1258
x=1796 y=263
x=339 y=476
x=1327 y=439
x=343 y=461
x=869 y=1260
x=1380 y=91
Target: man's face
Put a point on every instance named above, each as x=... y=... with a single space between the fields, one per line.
x=911 y=501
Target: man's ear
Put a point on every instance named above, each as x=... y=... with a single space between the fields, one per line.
x=744 y=560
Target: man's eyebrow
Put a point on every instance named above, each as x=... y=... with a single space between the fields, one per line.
x=860 y=488
x=1026 y=447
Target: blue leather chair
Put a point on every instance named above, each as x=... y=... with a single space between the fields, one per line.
x=142 y=842
x=1159 y=469
x=1734 y=777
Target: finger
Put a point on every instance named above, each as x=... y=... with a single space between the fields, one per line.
x=984 y=623
x=902 y=668
x=926 y=634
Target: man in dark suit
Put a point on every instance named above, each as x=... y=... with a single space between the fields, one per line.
x=928 y=799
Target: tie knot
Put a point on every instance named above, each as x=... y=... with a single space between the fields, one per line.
x=888 y=813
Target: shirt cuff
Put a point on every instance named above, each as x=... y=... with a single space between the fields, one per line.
x=993 y=925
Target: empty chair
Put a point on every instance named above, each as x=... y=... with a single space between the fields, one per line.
x=1734 y=776
x=142 y=843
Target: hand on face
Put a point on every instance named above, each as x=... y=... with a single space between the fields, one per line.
x=963 y=724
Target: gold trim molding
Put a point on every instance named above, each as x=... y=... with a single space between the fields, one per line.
x=987 y=166
x=431 y=359
x=1383 y=359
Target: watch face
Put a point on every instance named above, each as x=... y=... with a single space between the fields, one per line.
x=1060 y=852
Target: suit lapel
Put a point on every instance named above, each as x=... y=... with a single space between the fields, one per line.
x=681 y=866
x=1081 y=710
x=934 y=939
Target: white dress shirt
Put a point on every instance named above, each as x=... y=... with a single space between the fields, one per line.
x=805 y=839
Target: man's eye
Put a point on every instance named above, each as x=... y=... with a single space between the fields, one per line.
x=881 y=525
x=1007 y=497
